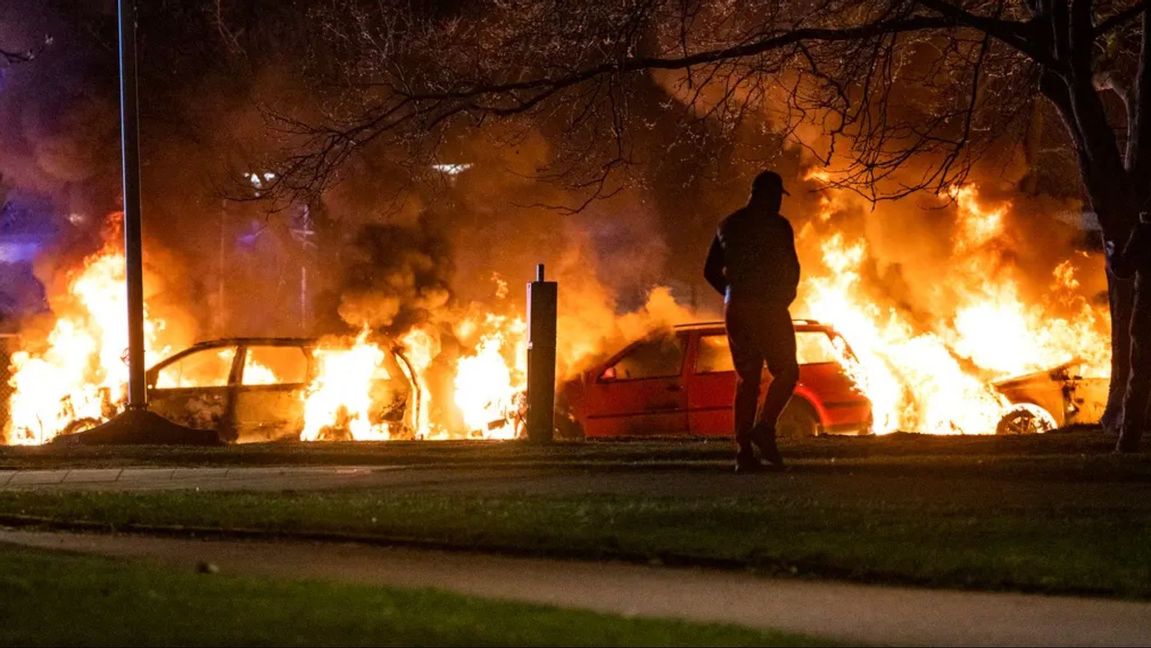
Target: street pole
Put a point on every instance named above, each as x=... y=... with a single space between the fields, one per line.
x=136 y=424
x=133 y=245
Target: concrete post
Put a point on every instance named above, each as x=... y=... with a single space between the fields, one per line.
x=541 y=358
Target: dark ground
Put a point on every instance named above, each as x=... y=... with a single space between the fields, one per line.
x=1050 y=513
x=816 y=454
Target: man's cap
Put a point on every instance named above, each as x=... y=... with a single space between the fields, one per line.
x=768 y=180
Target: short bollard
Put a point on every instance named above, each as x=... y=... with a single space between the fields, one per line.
x=540 y=417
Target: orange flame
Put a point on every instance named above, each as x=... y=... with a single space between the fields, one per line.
x=80 y=375
x=940 y=380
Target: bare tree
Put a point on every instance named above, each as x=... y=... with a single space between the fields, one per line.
x=906 y=93
x=10 y=58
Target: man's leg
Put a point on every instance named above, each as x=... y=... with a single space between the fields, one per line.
x=748 y=364
x=1138 y=393
x=777 y=343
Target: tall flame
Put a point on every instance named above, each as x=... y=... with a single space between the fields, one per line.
x=489 y=383
x=80 y=374
x=340 y=396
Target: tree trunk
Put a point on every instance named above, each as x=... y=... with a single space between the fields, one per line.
x=1120 y=293
x=1118 y=212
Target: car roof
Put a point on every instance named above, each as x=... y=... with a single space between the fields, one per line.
x=274 y=341
x=801 y=324
x=256 y=341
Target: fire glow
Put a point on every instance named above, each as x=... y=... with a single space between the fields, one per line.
x=78 y=375
x=934 y=378
x=939 y=381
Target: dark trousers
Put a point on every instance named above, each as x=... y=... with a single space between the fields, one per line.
x=760 y=333
x=1136 y=398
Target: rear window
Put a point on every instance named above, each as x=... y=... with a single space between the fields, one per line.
x=811 y=347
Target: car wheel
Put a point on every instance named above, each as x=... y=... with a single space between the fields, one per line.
x=1025 y=418
x=798 y=420
x=567 y=428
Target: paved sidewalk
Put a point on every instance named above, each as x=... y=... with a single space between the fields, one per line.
x=281 y=478
x=853 y=613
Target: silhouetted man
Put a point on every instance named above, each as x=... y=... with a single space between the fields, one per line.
x=752 y=263
x=1135 y=259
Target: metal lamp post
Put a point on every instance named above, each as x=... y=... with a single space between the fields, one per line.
x=137 y=424
x=133 y=243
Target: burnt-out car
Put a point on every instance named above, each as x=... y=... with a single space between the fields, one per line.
x=1046 y=400
x=253 y=389
x=682 y=382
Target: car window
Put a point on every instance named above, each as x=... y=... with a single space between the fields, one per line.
x=811 y=347
x=275 y=365
x=206 y=368
x=656 y=358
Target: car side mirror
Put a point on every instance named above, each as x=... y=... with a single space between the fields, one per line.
x=608 y=375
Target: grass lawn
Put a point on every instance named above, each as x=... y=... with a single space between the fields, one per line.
x=49 y=599
x=946 y=449
x=1049 y=514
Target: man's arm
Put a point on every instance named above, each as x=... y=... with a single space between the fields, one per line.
x=713 y=268
x=792 y=258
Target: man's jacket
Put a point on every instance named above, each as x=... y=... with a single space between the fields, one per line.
x=752 y=258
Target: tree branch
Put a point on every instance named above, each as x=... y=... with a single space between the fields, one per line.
x=1120 y=19
x=1011 y=32
x=753 y=48
x=16 y=57
x=1139 y=115
x=1081 y=37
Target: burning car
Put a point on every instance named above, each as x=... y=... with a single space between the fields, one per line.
x=682 y=382
x=266 y=389
x=1045 y=400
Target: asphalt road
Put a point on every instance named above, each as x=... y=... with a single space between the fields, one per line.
x=853 y=613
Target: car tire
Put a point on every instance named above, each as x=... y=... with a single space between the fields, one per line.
x=1026 y=418
x=798 y=421
x=567 y=428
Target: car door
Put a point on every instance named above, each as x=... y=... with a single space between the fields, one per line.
x=193 y=388
x=269 y=395
x=710 y=385
x=640 y=392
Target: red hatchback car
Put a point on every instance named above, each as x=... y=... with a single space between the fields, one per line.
x=682 y=382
